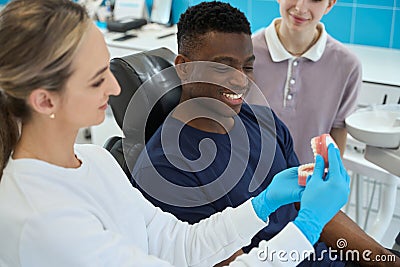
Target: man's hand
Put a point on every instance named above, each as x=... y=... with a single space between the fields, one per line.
x=342 y=227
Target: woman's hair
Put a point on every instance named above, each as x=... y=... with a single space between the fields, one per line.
x=38 y=41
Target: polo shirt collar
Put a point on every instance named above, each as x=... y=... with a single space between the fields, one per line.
x=278 y=51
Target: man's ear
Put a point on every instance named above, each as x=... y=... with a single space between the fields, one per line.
x=42 y=101
x=182 y=69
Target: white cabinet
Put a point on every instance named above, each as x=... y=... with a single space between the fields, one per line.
x=376 y=93
x=120 y=52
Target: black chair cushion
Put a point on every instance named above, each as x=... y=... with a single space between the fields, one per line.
x=143 y=103
x=134 y=71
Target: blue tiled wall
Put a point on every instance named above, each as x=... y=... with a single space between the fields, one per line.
x=365 y=22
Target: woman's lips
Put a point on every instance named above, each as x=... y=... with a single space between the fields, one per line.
x=104 y=107
x=298 y=20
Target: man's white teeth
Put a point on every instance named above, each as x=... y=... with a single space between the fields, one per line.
x=232 y=96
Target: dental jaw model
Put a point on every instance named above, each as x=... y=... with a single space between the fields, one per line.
x=319 y=145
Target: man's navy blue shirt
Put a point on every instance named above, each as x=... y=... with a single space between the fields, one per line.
x=238 y=150
x=238 y=165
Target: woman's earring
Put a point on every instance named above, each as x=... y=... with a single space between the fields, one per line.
x=52 y=116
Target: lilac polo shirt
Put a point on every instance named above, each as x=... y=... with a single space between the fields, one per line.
x=312 y=93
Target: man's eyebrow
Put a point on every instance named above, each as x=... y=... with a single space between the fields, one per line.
x=227 y=59
x=224 y=59
x=99 y=72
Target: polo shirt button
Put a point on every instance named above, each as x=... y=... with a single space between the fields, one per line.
x=290 y=96
x=292 y=81
x=295 y=63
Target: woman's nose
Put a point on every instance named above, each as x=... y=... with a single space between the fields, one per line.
x=113 y=87
x=301 y=6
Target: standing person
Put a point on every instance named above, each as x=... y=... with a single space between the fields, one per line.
x=309 y=79
x=71 y=205
x=219 y=151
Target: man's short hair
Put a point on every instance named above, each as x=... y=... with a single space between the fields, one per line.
x=207 y=17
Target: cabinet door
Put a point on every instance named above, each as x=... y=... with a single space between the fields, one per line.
x=375 y=93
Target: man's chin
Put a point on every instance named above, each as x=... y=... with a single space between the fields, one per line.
x=232 y=111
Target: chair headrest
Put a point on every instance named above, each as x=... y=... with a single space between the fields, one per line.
x=144 y=110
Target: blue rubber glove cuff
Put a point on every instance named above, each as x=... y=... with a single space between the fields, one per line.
x=261 y=207
x=307 y=223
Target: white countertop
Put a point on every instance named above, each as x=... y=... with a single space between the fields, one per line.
x=148 y=38
x=380 y=65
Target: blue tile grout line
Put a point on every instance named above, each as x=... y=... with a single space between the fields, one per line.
x=353 y=22
x=368 y=6
x=391 y=41
x=378 y=7
x=353 y=4
x=249 y=10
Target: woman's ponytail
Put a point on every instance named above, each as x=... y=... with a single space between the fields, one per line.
x=9 y=131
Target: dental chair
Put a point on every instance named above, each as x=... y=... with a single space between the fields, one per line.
x=150 y=89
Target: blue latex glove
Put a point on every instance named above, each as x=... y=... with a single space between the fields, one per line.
x=284 y=189
x=323 y=198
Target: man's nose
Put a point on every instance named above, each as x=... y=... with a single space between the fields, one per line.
x=239 y=81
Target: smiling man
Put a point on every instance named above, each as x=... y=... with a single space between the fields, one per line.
x=214 y=143
x=215 y=150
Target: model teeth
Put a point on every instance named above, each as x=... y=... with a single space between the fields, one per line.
x=232 y=96
x=306 y=169
x=314 y=148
